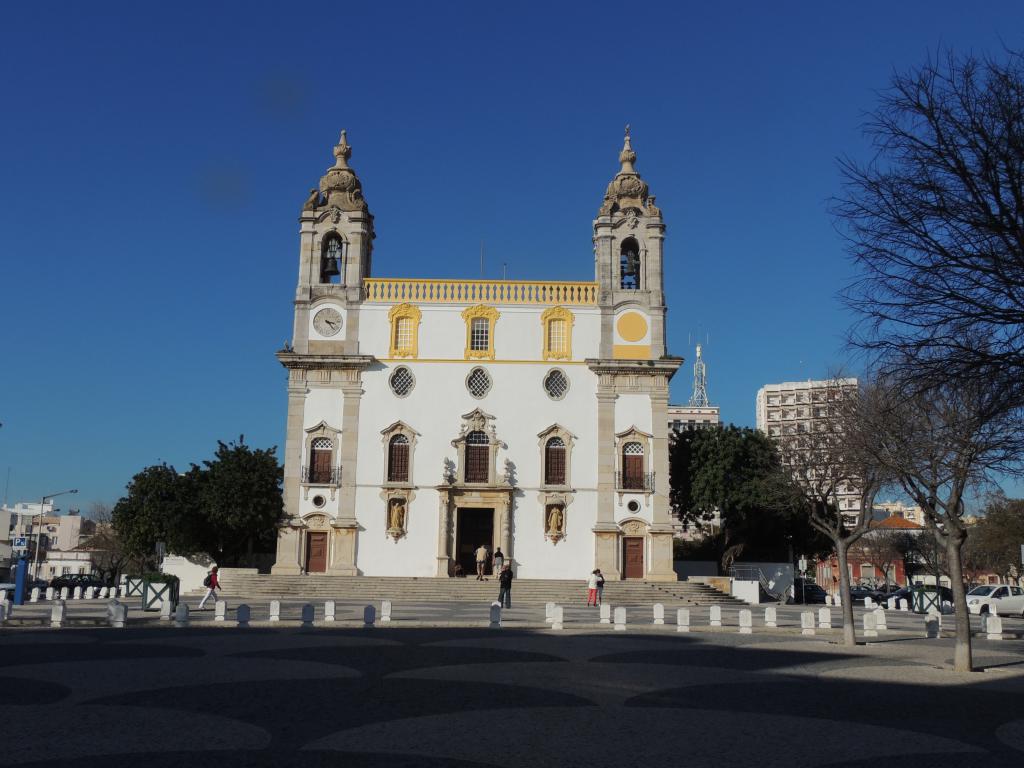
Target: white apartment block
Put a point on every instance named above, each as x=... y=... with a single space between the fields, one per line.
x=689 y=417
x=791 y=408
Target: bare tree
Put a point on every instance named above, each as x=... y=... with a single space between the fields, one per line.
x=938 y=445
x=825 y=458
x=881 y=548
x=935 y=224
x=109 y=554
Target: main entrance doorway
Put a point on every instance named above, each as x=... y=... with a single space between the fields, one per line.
x=633 y=557
x=316 y=552
x=475 y=527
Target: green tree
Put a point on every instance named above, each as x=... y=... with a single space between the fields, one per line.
x=159 y=506
x=240 y=502
x=998 y=536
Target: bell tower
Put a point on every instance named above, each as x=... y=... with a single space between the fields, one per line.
x=628 y=259
x=335 y=248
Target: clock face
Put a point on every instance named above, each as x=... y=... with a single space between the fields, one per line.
x=327 y=322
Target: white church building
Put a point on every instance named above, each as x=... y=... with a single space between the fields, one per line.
x=428 y=417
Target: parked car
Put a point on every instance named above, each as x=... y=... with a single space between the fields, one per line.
x=858 y=593
x=808 y=593
x=1005 y=599
x=82 y=580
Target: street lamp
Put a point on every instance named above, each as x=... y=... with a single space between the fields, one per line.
x=39 y=530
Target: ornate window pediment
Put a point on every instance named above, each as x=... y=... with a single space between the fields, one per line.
x=321 y=467
x=477 y=446
x=480 y=322
x=633 y=462
x=399 y=441
x=405 y=330
x=556 y=444
x=557 y=323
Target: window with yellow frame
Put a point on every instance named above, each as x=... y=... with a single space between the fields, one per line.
x=480 y=322
x=405 y=330
x=556 y=324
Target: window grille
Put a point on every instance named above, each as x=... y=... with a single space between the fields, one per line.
x=477 y=457
x=632 y=449
x=402 y=381
x=480 y=334
x=322 y=443
x=478 y=383
x=557 y=337
x=556 y=385
x=398 y=459
x=554 y=462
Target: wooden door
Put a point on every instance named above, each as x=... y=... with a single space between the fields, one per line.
x=633 y=557
x=320 y=472
x=633 y=472
x=316 y=552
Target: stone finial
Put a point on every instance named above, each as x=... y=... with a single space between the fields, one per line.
x=342 y=151
x=627 y=191
x=339 y=187
x=627 y=156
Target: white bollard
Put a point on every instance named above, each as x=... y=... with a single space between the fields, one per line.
x=90 y=593
x=807 y=623
x=824 y=618
x=242 y=615
x=904 y=604
x=166 y=610
x=880 y=624
x=77 y=594
x=102 y=594
x=308 y=614
x=556 y=617
x=828 y=599
x=495 y=617
x=329 y=610
x=118 y=615
x=994 y=627
x=181 y=615
x=769 y=617
x=57 y=613
x=716 y=615
x=683 y=620
x=49 y=593
x=34 y=596
x=3 y=595
x=746 y=622
x=220 y=610
x=869 y=603
x=870 y=625
x=933 y=625
x=385 y=611
x=620 y=619
x=275 y=610
x=549 y=612
x=606 y=613
x=369 y=616
x=659 y=613
x=6 y=606
x=3 y=611
x=891 y=603
x=837 y=602
x=64 y=593
x=112 y=592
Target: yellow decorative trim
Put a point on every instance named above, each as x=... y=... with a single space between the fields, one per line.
x=557 y=313
x=631 y=351
x=632 y=326
x=490 y=314
x=388 y=290
x=405 y=311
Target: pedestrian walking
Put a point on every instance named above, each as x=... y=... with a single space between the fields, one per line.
x=212 y=584
x=592 y=589
x=499 y=560
x=600 y=586
x=481 y=562
x=505 y=586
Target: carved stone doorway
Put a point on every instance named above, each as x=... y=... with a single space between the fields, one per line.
x=474 y=526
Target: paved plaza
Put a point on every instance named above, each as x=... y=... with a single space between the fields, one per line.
x=515 y=697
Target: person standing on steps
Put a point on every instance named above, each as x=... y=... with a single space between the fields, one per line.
x=212 y=584
x=592 y=589
x=600 y=586
x=499 y=560
x=481 y=562
x=505 y=586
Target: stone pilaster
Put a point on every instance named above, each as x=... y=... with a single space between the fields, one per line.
x=444 y=517
x=287 y=562
x=289 y=549
x=352 y=392
x=606 y=532
x=343 y=548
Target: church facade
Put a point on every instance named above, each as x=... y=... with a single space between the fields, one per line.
x=428 y=417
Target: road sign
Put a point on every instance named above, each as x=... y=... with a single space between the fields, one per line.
x=21 y=542
x=802 y=565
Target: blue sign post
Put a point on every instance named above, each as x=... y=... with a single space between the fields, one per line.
x=21 y=574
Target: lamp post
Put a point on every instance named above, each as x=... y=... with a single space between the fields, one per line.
x=39 y=530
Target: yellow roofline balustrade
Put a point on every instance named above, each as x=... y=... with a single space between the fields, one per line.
x=396 y=291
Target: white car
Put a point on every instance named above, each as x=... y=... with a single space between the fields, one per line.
x=1003 y=599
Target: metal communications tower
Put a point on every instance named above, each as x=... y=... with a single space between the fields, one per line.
x=699 y=398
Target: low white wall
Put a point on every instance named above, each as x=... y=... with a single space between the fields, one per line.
x=747 y=591
x=190 y=572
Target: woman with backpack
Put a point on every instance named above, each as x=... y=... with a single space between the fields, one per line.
x=212 y=584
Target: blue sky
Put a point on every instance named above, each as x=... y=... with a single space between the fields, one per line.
x=155 y=157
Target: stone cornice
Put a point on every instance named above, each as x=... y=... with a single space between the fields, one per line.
x=666 y=366
x=306 y=362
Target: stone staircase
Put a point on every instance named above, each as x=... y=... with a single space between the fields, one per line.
x=426 y=590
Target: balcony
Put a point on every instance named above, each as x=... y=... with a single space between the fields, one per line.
x=642 y=483
x=321 y=475
x=396 y=291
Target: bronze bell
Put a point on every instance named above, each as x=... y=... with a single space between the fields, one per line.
x=331 y=268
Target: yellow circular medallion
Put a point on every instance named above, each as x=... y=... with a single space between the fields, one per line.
x=632 y=326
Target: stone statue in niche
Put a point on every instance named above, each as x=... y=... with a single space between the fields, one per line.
x=555 y=528
x=396 y=518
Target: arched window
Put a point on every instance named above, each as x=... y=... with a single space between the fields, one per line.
x=332 y=260
x=629 y=264
x=320 y=460
x=554 y=462
x=478 y=459
x=633 y=466
x=398 y=459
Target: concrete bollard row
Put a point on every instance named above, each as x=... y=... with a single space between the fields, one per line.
x=824 y=618
x=606 y=613
x=807 y=623
x=620 y=619
x=746 y=622
x=769 y=617
x=659 y=613
x=716 y=616
x=385 y=611
x=683 y=620
x=330 y=608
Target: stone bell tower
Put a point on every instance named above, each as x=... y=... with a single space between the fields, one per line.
x=628 y=260
x=335 y=248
